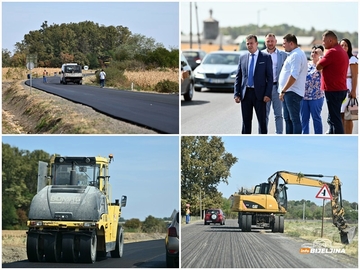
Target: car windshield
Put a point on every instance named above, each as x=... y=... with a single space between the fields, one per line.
x=85 y=174
x=73 y=69
x=191 y=54
x=221 y=59
x=212 y=211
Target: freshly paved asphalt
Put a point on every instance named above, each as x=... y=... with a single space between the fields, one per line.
x=159 y=112
x=148 y=254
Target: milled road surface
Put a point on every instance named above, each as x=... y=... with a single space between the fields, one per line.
x=216 y=246
x=159 y=112
x=147 y=254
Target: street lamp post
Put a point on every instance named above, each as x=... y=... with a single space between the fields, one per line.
x=258 y=19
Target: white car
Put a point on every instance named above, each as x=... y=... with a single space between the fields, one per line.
x=217 y=70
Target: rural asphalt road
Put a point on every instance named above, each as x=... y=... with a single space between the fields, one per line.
x=216 y=246
x=215 y=112
x=159 y=112
x=148 y=254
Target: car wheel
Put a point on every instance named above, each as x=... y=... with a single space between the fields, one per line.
x=190 y=92
x=170 y=262
x=197 y=89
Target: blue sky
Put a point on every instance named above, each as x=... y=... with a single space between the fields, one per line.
x=329 y=15
x=260 y=157
x=145 y=168
x=159 y=20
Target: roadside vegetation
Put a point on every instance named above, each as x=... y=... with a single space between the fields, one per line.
x=131 y=61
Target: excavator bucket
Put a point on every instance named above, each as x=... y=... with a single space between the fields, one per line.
x=347 y=235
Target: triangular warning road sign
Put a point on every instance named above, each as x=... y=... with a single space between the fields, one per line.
x=324 y=193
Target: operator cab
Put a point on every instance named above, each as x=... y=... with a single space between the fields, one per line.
x=76 y=171
x=280 y=193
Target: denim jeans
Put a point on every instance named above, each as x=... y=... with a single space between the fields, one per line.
x=277 y=107
x=313 y=108
x=333 y=101
x=102 y=82
x=291 y=106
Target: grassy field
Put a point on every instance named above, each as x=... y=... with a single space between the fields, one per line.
x=311 y=230
x=140 y=79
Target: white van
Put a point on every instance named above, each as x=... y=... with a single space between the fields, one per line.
x=71 y=72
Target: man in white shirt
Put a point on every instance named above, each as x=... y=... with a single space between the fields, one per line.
x=102 y=76
x=292 y=80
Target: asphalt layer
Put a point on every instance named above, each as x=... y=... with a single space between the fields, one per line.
x=148 y=254
x=159 y=112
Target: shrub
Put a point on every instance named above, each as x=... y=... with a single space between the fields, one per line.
x=167 y=86
x=153 y=225
x=114 y=77
x=133 y=223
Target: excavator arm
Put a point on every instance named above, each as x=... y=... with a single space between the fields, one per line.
x=346 y=233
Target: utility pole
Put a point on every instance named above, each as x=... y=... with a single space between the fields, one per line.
x=197 y=23
x=190 y=25
x=258 y=19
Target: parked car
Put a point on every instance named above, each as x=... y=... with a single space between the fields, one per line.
x=172 y=242
x=261 y=45
x=214 y=216
x=194 y=57
x=217 y=70
x=187 y=83
x=308 y=54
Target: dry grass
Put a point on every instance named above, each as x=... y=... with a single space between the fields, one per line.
x=10 y=74
x=148 y=79
x=311 y=230
x=13 y=238
x=141 y=79
x=17 y=238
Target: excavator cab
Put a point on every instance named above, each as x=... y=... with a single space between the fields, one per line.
x=263 y=188
x=280 y=192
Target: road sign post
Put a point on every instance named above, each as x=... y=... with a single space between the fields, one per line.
x=325 y=194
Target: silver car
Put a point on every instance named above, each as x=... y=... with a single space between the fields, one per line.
x=187 y=85
x=217 y=70
x=172 y=242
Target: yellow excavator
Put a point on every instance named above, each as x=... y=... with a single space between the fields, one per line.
x=266 y=205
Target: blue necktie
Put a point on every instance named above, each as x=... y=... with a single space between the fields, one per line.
x=251 y=71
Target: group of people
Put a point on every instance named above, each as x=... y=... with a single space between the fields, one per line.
x=295 y=87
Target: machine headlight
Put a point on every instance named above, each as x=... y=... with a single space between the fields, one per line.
x=36 y=223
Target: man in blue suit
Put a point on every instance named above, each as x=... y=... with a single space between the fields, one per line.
x=253 y=85
x=278 y=58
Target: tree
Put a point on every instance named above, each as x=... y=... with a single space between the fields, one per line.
x=133 y=223
x=153 y=225
x=204 y=165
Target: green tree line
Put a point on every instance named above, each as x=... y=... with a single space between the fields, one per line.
x=88 y=43
x=149 y=225
x=282 y=30
x=19 y=184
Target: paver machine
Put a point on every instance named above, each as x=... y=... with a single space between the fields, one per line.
x=72 y=217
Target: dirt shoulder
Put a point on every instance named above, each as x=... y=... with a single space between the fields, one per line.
x=14 y=243
x=41 y=113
